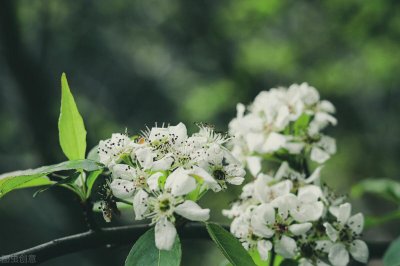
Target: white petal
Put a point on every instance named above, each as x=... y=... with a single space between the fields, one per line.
x=254 y=164
x=208 y=179
x=162 y=164
x=274 y=142
x=165 y=233
x=338 y=255
x=309 y=193
x=140 y=204
x=356 y=223
x=145 y=157
x=179 y=132
x=282 y=171
x=180 y=183
x=263 y=216
x=261 y=189
x=308 y=212
x=284 y=204
x=314 y=177
x=282 y=118
x=282 y=188
x=263 y=247
x=359 y=251
x=123 y=171
x=331 y=232
x=192 y=211
x=240 y=227
x=323 y=245
x=294 y=147
x=299 y=229
x=122 y=188
x=254 y=141
x=152 y=181
x=235 y=180
x=344 y=213
x=318 y=155
x=286 y=247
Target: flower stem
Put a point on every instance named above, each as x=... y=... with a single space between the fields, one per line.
x=272 y=259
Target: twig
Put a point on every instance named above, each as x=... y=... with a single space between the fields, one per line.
x=105 y=237
x=123 y=235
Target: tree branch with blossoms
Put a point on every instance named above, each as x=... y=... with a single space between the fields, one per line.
x=285 y=213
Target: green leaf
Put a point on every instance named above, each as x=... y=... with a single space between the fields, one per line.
x=391 y=257
x=385 y=188
x=91 y=179
x=229 y=245
x=69 y=180
x=41 y=181
x=71 y=128
x=145 y=253
x=20 y=179
x=301 y=124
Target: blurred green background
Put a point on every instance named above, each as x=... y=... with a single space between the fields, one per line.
x=133 y=63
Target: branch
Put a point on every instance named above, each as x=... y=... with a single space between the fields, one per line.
x=106 y=237
x=123 y=235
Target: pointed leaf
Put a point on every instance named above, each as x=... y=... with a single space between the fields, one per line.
x=145 y=252
x=391 y=257
x=229 y=245
x=72 y=133
x=385 y=188
x=20 y=179
x=91 y=179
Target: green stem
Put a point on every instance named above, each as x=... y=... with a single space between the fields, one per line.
x=272 y=259
x=375 y=221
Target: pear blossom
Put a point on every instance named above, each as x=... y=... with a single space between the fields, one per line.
x=165 y=171
x=344 y=234
x=283 y=120
x=111 y=150
x=291 y=214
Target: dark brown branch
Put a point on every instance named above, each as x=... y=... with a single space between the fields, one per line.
x=105 y=237
x=123 y=235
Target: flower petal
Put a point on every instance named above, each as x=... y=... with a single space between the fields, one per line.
x=359 y=251
x=180 y=183
x=319 y=155
x=140 y=205
x=192 y=211
x=331 y=232
x=299 y=229
x=208 y=179
x=165 y=233
x=263 y=216
x=356 y=223
x=152 y=181
x=338 y=255
x=123 y=171
x=122 y=188
x=254 y=164
x=145 y=157
x=263 y=247
x=344 y=213
x=286 y=247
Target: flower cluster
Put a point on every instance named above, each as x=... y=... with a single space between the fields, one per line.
x=165 y=171
x=298 y=218
x=283 y=120
x=289 y=212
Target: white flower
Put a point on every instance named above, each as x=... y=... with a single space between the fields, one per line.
x=344 y=234
x=180 y=182
x=111 y=150
x=323 y=149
